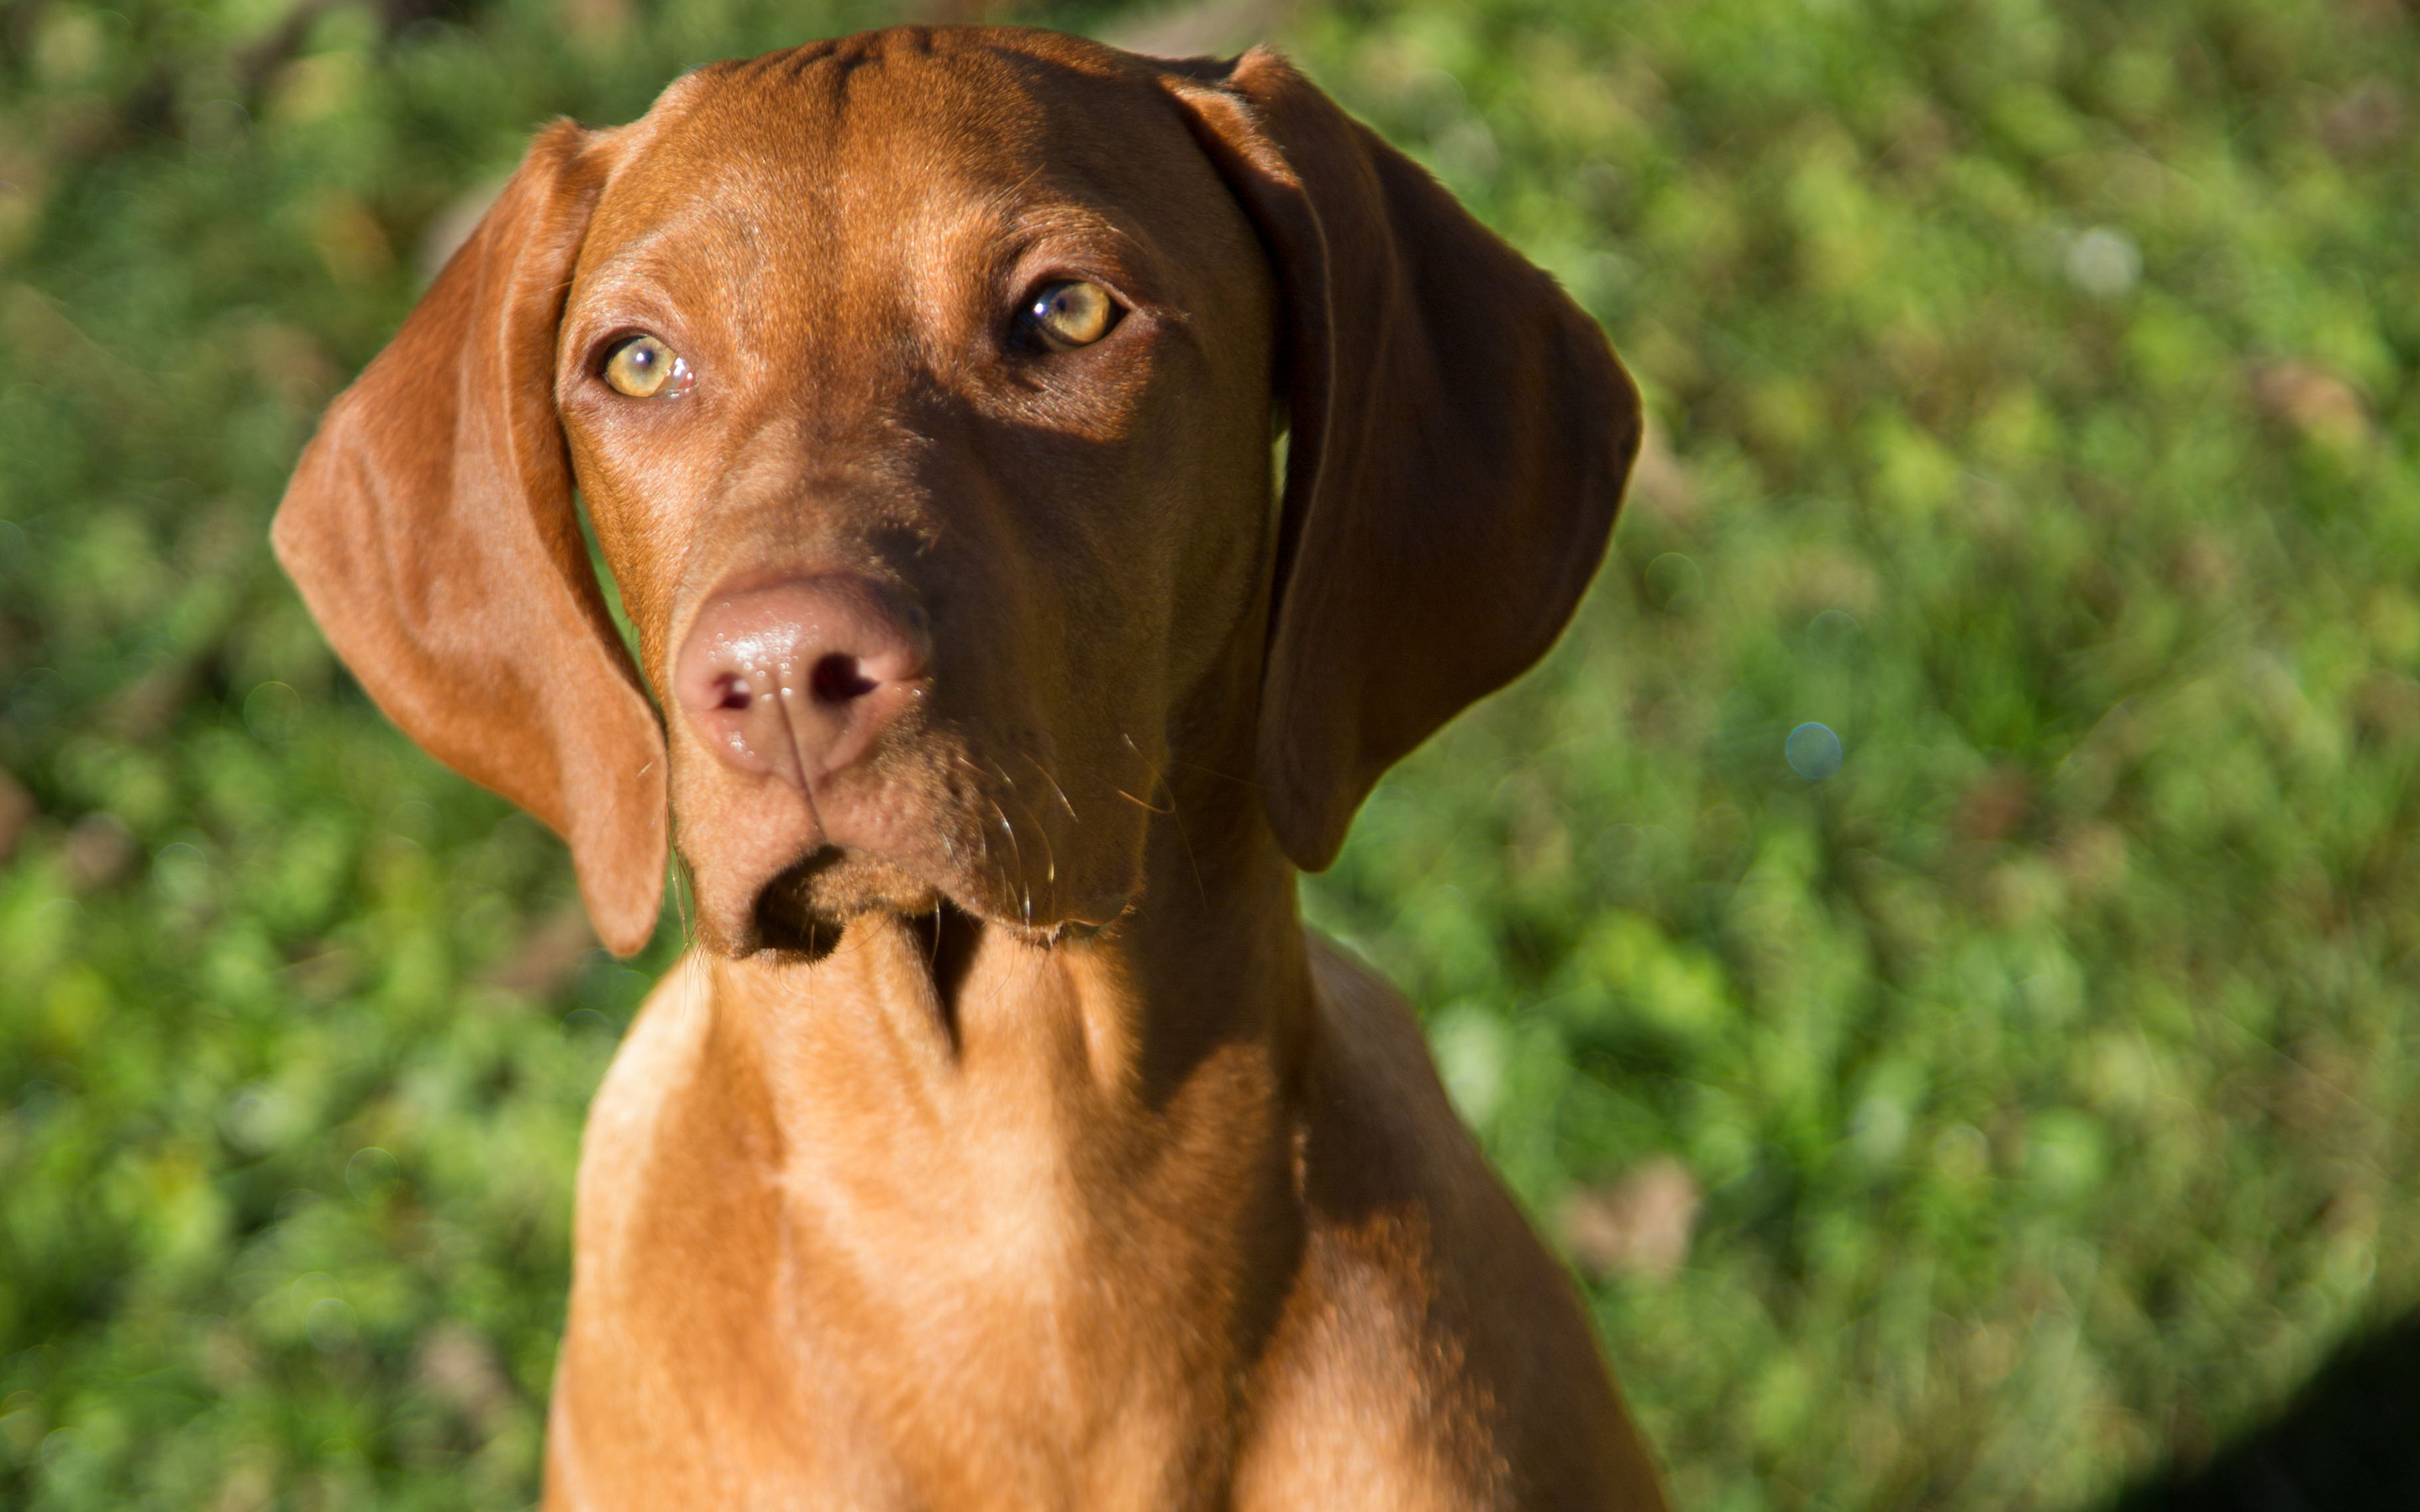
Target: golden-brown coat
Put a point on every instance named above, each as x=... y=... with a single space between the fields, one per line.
x=1002 y=1141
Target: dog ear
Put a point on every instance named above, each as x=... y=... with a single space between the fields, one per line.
x=1460 y=437
x=430 y=527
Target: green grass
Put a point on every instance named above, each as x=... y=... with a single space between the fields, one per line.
x=2034 y=396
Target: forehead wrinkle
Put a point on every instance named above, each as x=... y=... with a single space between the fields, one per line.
x=935 y=122
x=871 y=140
x=890 y=184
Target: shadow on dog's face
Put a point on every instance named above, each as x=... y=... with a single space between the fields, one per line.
x=971 y=351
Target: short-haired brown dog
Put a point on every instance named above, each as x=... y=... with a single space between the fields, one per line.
x=1003 y=1141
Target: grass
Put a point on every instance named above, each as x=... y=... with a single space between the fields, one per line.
x=2034 y=412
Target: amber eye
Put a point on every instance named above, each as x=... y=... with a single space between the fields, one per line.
x=643 y=367
x=1064 y=316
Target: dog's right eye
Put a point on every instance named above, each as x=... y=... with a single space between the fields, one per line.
x=643 y=367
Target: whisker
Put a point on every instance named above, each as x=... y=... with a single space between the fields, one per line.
x=1017 y=851
x=983 y=832
x=1200 y=890
x=1050 y=849
x=1210 y=771
x=1047 y=776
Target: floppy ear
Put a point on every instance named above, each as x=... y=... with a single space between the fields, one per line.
x=1460 y=436
x=430 y=526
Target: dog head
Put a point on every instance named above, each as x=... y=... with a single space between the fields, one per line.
x=919 y=387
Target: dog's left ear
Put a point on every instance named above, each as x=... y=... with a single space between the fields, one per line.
x=1460 y=436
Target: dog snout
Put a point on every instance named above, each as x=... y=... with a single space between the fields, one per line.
x=797 y=678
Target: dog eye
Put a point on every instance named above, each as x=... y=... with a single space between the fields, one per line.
x=1063 y=317
x=643 y=367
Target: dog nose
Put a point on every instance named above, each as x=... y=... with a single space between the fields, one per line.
x=796 y=679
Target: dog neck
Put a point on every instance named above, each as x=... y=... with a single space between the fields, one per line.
x=921 y=1054
x=1103 y=1129
x=942 y=1010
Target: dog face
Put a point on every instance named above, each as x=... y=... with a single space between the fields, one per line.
x=919 y=387
x=962 y=399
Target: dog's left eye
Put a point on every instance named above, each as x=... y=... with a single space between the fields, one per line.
x=643 y=367
x=1065 y=315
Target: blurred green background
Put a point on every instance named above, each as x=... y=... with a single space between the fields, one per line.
x=2010 y=1113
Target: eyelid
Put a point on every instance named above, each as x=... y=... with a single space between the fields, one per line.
x=601 y=352
x=1056 y=273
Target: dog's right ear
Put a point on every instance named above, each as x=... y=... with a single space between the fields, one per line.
x=431 y=529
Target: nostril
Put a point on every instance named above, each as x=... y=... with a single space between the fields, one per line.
x=839 y=678
x=734 y=691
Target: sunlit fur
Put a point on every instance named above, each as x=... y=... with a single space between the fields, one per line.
x=1003 y=1141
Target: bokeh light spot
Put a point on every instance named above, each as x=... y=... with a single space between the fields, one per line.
x=2104 y=262
x=1814 y=751
x=1675 y=584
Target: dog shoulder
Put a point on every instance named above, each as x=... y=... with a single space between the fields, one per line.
x=1372 y=1093
x=1426 y=1301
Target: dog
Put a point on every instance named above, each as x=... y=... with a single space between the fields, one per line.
x=1003 y=1139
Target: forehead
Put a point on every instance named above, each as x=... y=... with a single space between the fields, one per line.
x=898 y=142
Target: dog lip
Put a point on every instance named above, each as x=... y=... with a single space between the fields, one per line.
x=805 y=903
x=746 y=918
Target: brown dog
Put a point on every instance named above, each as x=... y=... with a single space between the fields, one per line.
x=1002 y=1141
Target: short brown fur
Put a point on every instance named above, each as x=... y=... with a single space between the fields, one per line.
x=1003 y=1140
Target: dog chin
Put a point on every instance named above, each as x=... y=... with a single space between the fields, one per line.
x=804 y=910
